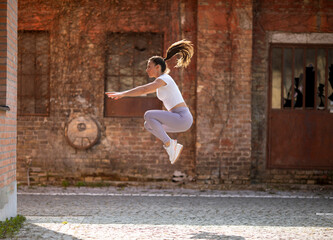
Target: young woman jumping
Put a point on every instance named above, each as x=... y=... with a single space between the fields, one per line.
x=178 y=118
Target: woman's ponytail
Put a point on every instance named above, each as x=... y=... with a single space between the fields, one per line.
x=183 y=48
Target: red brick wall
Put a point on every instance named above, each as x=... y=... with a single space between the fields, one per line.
x=8 y=86
x=8 y=67
x=126 y=151
x=225 y=87
x=289 y=17
x=224 y=91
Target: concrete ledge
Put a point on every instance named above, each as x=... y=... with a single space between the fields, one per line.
x=301 y=38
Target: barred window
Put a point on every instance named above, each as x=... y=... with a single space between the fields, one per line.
x=126 y=62
x=302 y=77
x=33 y=73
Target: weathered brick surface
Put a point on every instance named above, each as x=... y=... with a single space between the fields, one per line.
x=283 y=16
x=126 y=151
x=225 y=87
x=8 y=50
x=8 y=108
x=224 y=91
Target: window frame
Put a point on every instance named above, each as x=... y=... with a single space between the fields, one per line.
x=20 y=97
x=129 y=107
x=303 y=46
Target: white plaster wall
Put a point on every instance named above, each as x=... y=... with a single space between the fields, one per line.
x=8 y=201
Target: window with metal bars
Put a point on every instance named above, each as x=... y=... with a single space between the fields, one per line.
x=126 y=62
x=33 y=73
x=302 y=77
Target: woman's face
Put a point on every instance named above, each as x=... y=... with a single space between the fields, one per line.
x=152 y=70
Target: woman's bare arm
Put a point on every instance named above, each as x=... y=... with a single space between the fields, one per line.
x=138 y=91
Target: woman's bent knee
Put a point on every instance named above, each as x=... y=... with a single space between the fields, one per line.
x=147 y=115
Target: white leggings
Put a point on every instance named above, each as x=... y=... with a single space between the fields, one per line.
x=159 y=122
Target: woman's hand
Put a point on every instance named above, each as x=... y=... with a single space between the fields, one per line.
x=115 y=95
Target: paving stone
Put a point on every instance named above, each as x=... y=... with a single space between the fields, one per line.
x=142 y=213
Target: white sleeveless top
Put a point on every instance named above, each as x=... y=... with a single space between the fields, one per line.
x=169 y=94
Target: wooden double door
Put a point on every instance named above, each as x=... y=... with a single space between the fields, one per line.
x=300 y=111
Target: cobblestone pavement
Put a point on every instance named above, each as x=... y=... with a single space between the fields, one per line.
x=141 y=213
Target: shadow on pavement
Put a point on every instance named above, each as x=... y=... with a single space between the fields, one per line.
x=32 y=231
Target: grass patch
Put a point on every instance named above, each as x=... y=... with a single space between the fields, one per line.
x=11 y=226
x=81 y=184
x=92 y=184
x=65 y=183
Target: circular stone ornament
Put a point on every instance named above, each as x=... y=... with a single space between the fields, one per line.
x=82 y=132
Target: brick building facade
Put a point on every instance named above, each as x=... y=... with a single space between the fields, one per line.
x=71 y=52
x=8 y=106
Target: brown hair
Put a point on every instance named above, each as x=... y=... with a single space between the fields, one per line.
x=183 y=47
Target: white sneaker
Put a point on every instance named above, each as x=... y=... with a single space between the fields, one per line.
x=178 y=151
x=171 y=150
